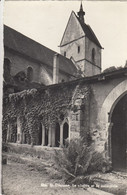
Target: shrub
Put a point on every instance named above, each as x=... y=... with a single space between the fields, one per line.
x=4 y=147
x=79 y=159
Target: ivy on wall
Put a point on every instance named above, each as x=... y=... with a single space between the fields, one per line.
x=45 y=105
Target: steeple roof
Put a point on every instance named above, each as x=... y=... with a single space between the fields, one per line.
x=81 y=13
x=86 y=28
x=89 y=33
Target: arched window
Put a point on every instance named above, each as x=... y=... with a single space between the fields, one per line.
x=30 y=74
x=7 y=68
x=40 y=134
x=57 y=135
x=93 y=55
x=65 y=132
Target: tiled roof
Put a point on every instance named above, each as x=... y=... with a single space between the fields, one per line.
x=24 y=45
x=89 y=33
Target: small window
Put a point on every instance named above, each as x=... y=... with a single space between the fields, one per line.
x=93 y=55
x=78 y=49
x=30 y=74
x=65 y=53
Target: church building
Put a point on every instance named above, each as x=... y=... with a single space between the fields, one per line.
x=29 y=64
x=52 y=97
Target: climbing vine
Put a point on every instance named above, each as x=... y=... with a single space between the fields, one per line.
x=46 y=105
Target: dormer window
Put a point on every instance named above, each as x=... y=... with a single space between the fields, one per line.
x=65 y=53
x=78 y=49
x=93 y=55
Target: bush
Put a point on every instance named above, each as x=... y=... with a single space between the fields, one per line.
x=79 y=159
x=4 y=147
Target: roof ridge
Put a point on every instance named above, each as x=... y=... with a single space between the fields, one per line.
x=88 y=26
x=27 y=46
x=30 y=38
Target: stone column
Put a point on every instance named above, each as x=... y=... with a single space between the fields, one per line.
x=19 y=131
x=56 y=68
x=23 y=137
x=49 y=136
x=53 y=136
x=61 y=135
x=43 y=135
x=109 y=147
x=8 y=132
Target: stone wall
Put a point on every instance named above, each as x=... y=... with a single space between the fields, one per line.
x=42 y=73
x=77 y=103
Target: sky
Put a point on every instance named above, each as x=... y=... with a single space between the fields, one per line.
x=45 y=22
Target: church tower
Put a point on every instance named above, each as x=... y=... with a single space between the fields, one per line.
x=80 y=44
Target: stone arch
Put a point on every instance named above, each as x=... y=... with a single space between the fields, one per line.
x=110 y=102
x=40 y=134
x=57 y=134
x=46 y=135
x=105 y=113
x=65 y=132
x=118 y=119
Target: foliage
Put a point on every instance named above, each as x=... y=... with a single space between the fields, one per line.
x=79 y=159
x=45 y=105
x=112 y=68
x=4 y=147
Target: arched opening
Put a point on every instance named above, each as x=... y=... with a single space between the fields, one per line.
x=15 y=132
x=30 y=74
x=25 y=138
x=46 y=136
x=119 y=135
x=40 y=135
x=57 y=135
x=7 y=68
x=65 y=132
x=93 y=55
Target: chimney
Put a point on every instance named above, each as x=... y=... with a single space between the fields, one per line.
x=56 y=68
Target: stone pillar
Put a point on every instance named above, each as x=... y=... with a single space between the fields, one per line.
x=53 y=136
x=61 y=135
x=19 y=131
x=56 y=69
x=23 y=137
x=8 y=132
x=49 y=136
x=109 y=140
x=43 y=135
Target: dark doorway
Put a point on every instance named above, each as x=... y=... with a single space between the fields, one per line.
x=57 y=135
x=40 y=134
x=65 y=132
x=119 y=135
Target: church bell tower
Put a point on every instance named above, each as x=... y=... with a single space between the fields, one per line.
x=80 y=44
